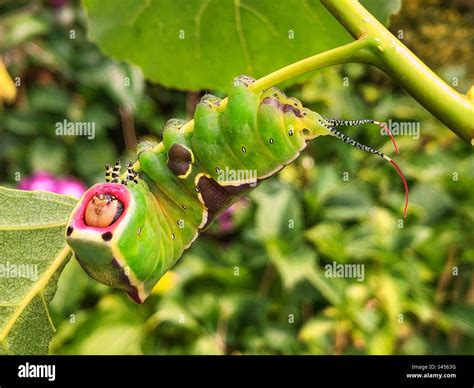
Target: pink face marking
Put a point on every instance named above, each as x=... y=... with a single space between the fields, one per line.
x=102 y=207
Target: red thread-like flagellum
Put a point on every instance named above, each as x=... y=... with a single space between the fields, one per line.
x=385 y=126
x=405 y=185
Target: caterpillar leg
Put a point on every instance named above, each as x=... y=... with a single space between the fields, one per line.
x=116 y=172
x=108 y=173
x=112 y=175
x=132 y=175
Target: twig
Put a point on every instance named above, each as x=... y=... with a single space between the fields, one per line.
x=455 y=110
x=128 y=127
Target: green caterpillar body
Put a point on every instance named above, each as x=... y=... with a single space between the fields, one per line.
x=185 y=182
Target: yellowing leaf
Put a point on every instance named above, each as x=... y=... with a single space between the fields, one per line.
x=166 y=283
x=470 y=93
x=7 y=87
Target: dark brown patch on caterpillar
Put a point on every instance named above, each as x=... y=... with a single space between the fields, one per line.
x=116 y=276
x=122 y=276
x=117 y=265
x=293 y=109
x=283 y=107
x=244 y=80
x=217 y=198
x=271 y=101
x=132 y=291
x=179 y=159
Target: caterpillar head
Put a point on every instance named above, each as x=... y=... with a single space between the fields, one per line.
x=109 y=224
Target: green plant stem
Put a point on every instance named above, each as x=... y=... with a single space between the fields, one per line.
x=357 y=51
x=455 y=110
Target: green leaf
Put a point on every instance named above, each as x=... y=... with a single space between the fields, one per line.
x=71 y=289
x=20 y=27
x=383 y=9
x=33 y=252
x=204 y=44
x=301 y=265
x=50 y=99
x=329 y=238
x=380 y=343
x=124 y=83
x=350 y=203
x=278 y=216
x=316 y=329
x=434 y=203
x=118 y=338
x=460 y=317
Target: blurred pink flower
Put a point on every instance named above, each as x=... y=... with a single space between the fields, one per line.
x=39 y=181
x=45 y=181
x=71 y=186
x=226 y=221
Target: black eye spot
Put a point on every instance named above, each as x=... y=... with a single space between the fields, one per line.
x=218 y=170
x=139 y=231
x=196 y=189
x=69 y=230
x=290 y=132
x=184 y=206
x=172 y=236
x=107 y=236
x=271 y=140
x=244 y=150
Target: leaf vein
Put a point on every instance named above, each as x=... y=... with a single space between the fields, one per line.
x=38 y=287
x=197 y=28
x=31 y=227
x=264 y=19
x=243 y=41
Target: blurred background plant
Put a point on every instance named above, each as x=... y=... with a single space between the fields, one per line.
x=254 y=284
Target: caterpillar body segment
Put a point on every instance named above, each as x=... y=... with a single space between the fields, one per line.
x=127 y=234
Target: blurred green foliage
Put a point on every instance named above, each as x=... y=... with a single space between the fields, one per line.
x=261 y=287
